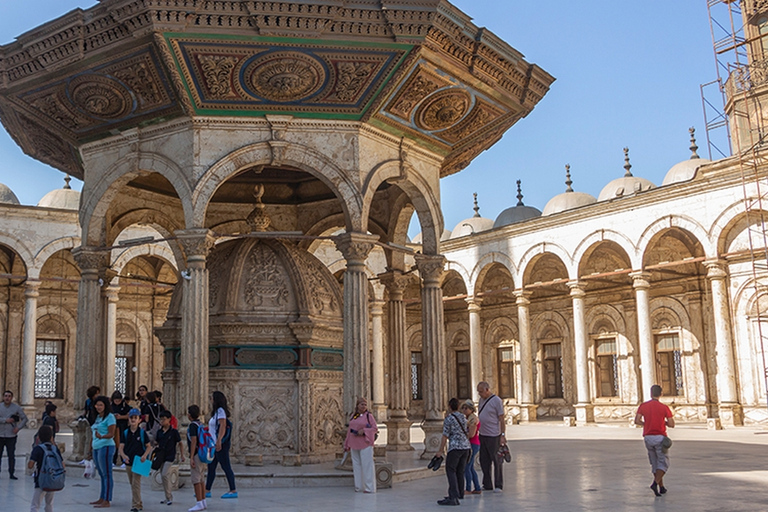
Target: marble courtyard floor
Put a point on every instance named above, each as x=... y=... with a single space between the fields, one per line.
x=554 y=468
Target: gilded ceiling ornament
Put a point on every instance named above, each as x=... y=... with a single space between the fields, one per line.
x=285 y=76
x=443 y=109
x=139 y=78
x=217 y=70
x=100 y=96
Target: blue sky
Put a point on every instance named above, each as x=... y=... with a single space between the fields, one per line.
x=628 y=74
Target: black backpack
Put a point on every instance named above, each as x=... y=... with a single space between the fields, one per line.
x=51 y=477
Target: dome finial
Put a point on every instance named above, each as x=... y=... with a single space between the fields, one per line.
x=476 y=208
x=67 y=179
x=627 y=165
x=568 y=181
x=519 y=195
x=693 y=147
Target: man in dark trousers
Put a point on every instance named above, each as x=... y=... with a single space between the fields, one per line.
x=12 y=419
x=492 y=435
x=655 y=417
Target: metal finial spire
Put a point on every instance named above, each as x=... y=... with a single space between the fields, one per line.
x=693 y=147
x=568 y=181
x=519 y=195
x=627 y=165
x=67 y=179
x=476 y=208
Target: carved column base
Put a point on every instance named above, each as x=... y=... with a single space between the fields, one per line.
x=585 y=414
x=379 y=412
x=31 y=412
x=528 y=413
x=731 y=415
x=433 y=433
x=399 y=435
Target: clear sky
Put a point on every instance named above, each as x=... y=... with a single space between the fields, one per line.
x=628 y=74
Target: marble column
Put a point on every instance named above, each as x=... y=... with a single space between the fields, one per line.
x=584 y=408
x=91 y=262
x=398 y=424
x=193 y=374
x=377 y=333
x=527 y=405
x=14 y=347
x=431 y=269
x=641 y=284
x=111 y=297
x=29 y=350
x=355 y=247
x=475 y=345
x=729 y=409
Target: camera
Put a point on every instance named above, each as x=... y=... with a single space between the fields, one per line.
x=353 y=431
x=16 y=418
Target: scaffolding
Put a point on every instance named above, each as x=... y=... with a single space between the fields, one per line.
x=739 y=81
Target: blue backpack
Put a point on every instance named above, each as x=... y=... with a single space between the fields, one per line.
x=51 y=477
x=206 y=444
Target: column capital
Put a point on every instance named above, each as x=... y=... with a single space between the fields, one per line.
x=716 y=269
x=522 y=297
x=577 y=288
x=111 y=293
x=431 y=267
x=355 y=247
x=377 y=307
x=473 y=304
x=395 y=281
x=641 y=280
x=32 y=289
x=196 y=243
x=90 y=259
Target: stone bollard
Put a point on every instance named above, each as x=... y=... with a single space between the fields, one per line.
x=569 y=421
x=157 y=479
x=81 y=440
x=384 y=474
x=714 y=424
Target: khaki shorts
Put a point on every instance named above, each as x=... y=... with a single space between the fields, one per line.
x=197 y=473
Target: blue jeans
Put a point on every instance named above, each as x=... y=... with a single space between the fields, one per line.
x=221 y=457
x=103 y=460
x=470 y=474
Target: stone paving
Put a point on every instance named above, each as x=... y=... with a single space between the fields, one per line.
x=554 y=468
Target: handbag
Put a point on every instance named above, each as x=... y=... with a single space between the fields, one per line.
x=158 y=458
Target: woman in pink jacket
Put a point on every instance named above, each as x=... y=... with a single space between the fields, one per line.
x=359 y=441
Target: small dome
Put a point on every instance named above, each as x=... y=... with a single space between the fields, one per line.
x=625 y=186
x=445 y=236
x=7 y=196
x=62 y=198
x=472 y=225
x=517 y=213
x=685 y=170
x=569 y=199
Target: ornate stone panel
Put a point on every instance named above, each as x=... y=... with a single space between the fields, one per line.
x=276 y=75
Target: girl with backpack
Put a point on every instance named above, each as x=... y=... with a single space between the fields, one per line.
x=220 y=426
x=49 y=474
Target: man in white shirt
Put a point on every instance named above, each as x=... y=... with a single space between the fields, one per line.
x=492 y=435
x=12 y=419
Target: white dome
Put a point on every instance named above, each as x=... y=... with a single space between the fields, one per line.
x=624 y=186
x=567 y=201
x=685 y=170
x=62 y=198
x=516 y=214
x=445 y=236
x=7 y=196
x=470 y=226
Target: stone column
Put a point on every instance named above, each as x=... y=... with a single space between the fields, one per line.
x=355 y=247
x=640 y=281
x=377 y=332
x=584 y=408
x=193 y=374
x=527 y=405
x=475 y=344
x=14 y=347
x=27 y=398
x=91 y=262
x=730 y=411
x=111 y=296
x=431 y=268
x=398 y=424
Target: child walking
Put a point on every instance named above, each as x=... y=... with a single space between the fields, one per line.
x=196 y=468
x=167 y=439
x=134 y=442
x=45 y=435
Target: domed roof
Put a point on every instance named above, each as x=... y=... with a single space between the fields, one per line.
x=517 y=213
x=625 y=186
x=474 y=224
x=7 y=196
x=63 y=198
x=685 y=170
x=568 y=199
x=445 y=236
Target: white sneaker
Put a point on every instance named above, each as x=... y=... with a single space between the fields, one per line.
x=205 y=503
x=497 y=490
x=198 y=506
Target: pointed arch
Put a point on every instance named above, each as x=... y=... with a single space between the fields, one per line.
x=607 y=235
x=531 y=255
x=42 y=256
x=675 y=221
x=484 y=265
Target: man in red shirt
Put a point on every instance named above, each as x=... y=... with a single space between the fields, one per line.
x=655 y=417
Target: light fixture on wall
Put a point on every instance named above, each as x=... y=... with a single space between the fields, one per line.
x=186 y=274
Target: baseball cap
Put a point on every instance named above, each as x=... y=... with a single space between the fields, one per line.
x=134 y=412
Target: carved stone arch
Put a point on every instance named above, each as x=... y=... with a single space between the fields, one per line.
x=453 y=285
x=602 y=317
x=126 y=330
x=326 y=227
x=98 y=196
x=669 y=313
x=683 y=223
x=20 y=248
x=534 y=253
x=294 y=155
x=593 y=240
x=550 y=325
x=485 y=264
x=454 y=266
x=497 y=327
x=158 y=220
x=413 y=335
x=726 y=220
x=44 y=254
x=158 y=251
x=736 y=226
x=420 y=193
x=402 y=211
x=459 y=339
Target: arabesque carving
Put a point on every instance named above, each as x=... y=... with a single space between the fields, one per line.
x=217 y=70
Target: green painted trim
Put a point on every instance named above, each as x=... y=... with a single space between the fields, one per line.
x=386 y=80
x=181 y=74
x=291 y=40
x=402 y=133
x=262 y=113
